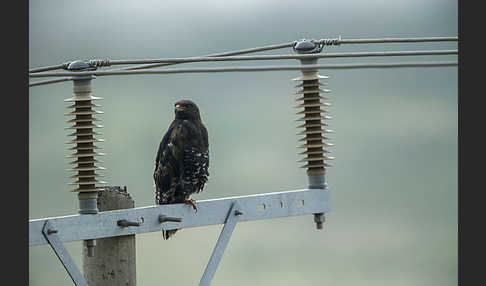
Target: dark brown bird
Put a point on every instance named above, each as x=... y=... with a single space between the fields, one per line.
x=181 y=165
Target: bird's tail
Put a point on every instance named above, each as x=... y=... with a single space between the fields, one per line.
x=168 y=233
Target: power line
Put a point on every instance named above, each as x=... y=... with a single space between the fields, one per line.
x=230 y=53
x=398 y=40
x=265 y=57
x=283 y=57
x=252 y=69
x=49 y=81
x=336 y=41
x=49 y=68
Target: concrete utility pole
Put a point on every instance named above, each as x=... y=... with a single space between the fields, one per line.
x=114 y=260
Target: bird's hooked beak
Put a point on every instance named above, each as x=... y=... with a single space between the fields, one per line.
x=178 y=108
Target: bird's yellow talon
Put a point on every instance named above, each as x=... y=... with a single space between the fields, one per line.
x=192 y=203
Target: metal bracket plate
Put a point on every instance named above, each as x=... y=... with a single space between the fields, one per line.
x=50 y=234
x=221 y=244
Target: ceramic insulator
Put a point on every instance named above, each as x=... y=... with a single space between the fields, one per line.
x=83 y=135
x=314 y=122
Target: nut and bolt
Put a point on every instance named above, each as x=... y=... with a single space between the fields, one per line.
x=51 y=231
x=90 y=247
x=319 y=219
x=125 y=223
x=163 y=218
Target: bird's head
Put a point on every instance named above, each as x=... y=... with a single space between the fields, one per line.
x=186 y=109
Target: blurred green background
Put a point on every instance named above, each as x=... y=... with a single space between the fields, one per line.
x=394 y=180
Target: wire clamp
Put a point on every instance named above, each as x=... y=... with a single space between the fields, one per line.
x=331 y=42
x=100 y=63
x=80 y=65
x=305 y=46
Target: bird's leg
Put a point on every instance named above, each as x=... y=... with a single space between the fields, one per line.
x=191 y=202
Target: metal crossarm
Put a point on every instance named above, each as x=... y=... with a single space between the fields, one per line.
x=51 y=236
x=210 y=212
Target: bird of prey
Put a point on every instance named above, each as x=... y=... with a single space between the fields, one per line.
x=181 y=165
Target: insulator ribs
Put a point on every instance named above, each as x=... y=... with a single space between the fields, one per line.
x=315 y=122
x=85 y=164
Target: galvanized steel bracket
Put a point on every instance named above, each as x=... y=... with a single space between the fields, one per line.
x=229 y=225
x=50 y=233
x=211 y=212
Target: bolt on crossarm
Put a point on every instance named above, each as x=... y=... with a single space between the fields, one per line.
x=314 y=121
x=85 y=164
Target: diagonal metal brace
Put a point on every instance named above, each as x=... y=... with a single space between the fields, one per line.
x=230 y=223
x=50 y=234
